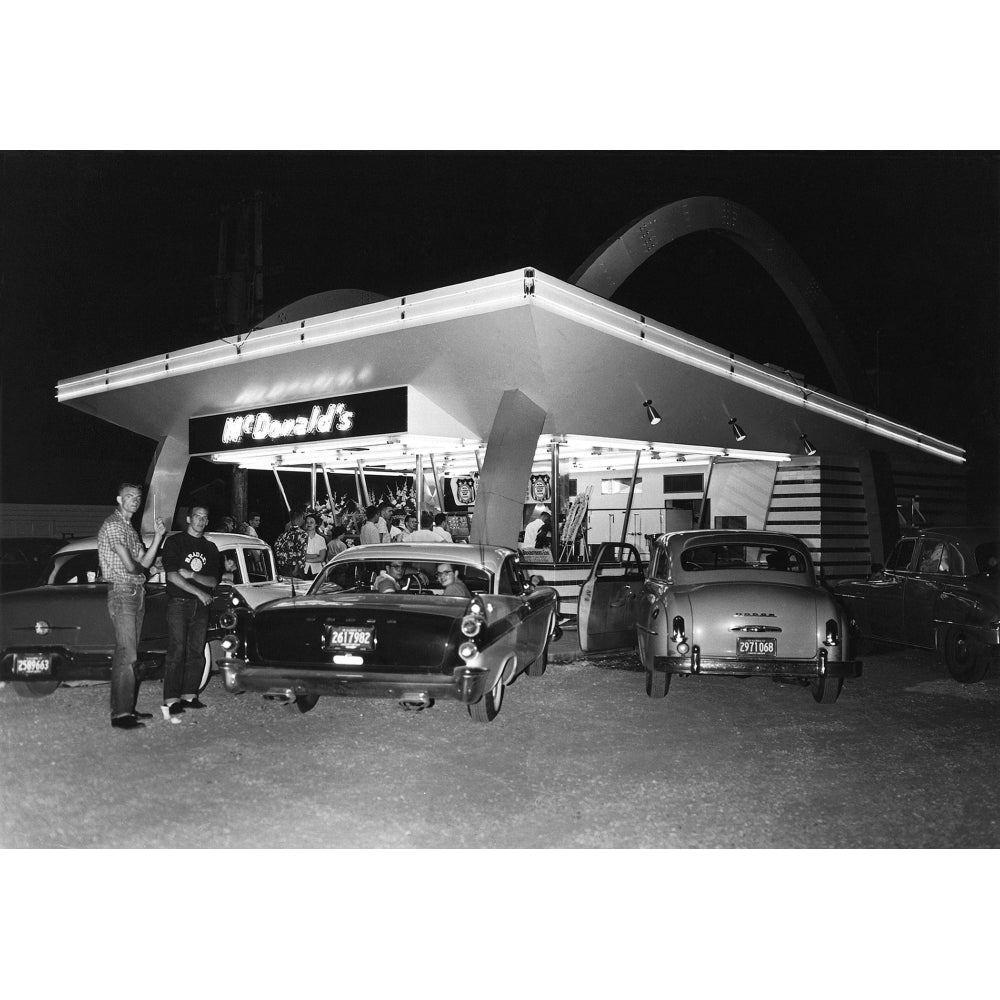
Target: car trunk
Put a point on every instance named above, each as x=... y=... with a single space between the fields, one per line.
x=724 y=612
x=420 y=635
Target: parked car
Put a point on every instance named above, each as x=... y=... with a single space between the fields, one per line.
x=939 y=589
x=22 y=560
x=731 y=602
x=60 y=632
x=415 y=645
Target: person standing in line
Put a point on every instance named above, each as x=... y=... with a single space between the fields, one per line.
x=533 y=527
x=369 y=530
x=439 y=528
x=424 y=532
x=250 y=525
x=315 y=553
x=409 y=526
x=290 y=546
x=385 y=513
x=124 y=561
x=192 y=565
x=336 y=543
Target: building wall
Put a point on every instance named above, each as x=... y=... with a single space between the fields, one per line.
x=40 y=520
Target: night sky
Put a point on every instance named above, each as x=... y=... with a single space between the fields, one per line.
x=108 y=258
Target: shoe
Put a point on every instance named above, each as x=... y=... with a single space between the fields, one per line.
x=172 y=713
x=127 y=722
x=194 y=703
x=142 y=715
x=176 y=708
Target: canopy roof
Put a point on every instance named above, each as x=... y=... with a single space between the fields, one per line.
x=588 y=363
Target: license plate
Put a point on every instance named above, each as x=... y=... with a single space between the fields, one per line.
x=33 y=666
x=356 y=637
x=756 y=647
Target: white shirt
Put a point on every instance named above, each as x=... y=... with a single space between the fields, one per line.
x=531 y=532
x=423 y=535
x=444 y=535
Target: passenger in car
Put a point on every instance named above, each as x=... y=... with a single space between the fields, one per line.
x=453 y=586
x=388 y=580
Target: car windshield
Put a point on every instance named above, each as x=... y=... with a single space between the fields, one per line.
x=409 y=576
x=82 y=566
x=743 y=556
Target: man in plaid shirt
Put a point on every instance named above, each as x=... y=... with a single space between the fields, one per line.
x=124 y=560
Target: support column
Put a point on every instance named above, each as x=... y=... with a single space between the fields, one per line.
x=506 y=470
x=164 y=480
x=880 y=503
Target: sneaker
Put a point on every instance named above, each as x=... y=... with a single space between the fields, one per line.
x=172 y=713
x=127 y=722
x=194 y=703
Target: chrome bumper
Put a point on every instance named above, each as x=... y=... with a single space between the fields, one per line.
x=465 y=684
x=695 y=663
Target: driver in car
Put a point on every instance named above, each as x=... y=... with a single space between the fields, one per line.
x=388 y=580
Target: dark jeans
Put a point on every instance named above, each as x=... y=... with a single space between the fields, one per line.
x=187 y=624
x=126 y=608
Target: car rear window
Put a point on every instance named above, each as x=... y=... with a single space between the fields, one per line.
x=742 y=556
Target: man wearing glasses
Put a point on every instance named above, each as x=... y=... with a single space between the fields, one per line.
x=388 y=580
x=453 y=587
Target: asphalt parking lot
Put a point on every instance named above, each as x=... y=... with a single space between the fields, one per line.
x=579 y=758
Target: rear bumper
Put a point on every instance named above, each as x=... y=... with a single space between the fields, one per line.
x=465 y=684
x=695 y=663
x=69 y=665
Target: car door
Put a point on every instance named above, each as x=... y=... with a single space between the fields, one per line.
x=923 y=588
x=606 y=608
x=882 y=616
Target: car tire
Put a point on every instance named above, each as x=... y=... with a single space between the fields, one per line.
x=964 y=661
x=541 y=662
x=657 y=683
x=306 y=702
x=488 y=707
x=826 y=690
x=35 y=689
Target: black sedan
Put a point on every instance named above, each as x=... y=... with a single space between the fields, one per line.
x=414 y=622
x=939 y=589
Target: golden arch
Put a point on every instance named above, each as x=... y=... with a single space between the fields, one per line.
x=631 y=247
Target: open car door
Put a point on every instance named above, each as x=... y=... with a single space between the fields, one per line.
x=607 y=602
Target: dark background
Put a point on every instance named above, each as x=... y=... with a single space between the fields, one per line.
x=110 y=257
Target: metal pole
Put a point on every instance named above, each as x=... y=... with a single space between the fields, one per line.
x=437 y=481
x=704 y=496
x=277 y=479
x=329 y=492
x=554 y=472
x=312 y=486
x=364 y=484
x=631 y=494
x=479 y=462
x=418 y=475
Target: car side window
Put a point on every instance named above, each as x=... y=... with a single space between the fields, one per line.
x=258 y=562
x=230 y=567
x=507 y=583
x=902 y=553
x=79 y=568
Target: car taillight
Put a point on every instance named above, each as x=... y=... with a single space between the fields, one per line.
x=230 y=645
x=472 y=625
x=832 y=633
x=678 y=636
x=468 y=650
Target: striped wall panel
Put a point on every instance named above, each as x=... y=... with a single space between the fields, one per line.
x=822 y=502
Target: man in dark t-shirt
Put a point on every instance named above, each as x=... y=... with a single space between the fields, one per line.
x=192 y=565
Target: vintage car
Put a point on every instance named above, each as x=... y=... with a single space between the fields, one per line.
x=22 y=560
x=345 y=637
x=939 y=589
x=732 y=602
x=59 y=632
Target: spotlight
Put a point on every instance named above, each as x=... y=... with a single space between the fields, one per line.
x=738 y=431
x=651 y=414
x=807 y=445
